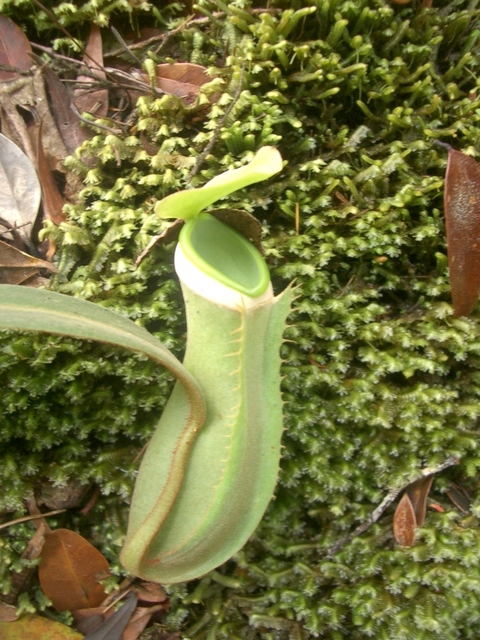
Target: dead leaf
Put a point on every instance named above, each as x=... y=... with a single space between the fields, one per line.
x=404 y=523
x=35 y=282
x=19 y=188
x=52 y=200
x=20 y=580
x=436 y=507
x=70 y=571
x=37 y=628
x=17 y=267
x=37 y=541
x=14 y=49
x=113 y=627
x=87 y=97
x=181 y=79
x=460 y=498
x=138 y=621
x=87 y=620
x=23 y=103
x=60 y=101
x=418 y=493
x=38 y=521
x=64 y=496
x=7 y=613
x=462 y=216
x=151 y=592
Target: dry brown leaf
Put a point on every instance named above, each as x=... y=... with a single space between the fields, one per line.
x=151 y=592
x=17 y=267
x=36 y=542
x=460 y=498
x=25 y=102
x=14 y=49
x=36 y=628
x=138 y=621
x=87 y=620
x=67 y=123
x=112 y=628
x=70 y=571
x=87 y=97
x=60 y=497
x=462 y=209
x=181 y=79
x=404 y=523
x=52 y=200
x=21 y=580
x=418 y=493
x=7 y=613
x=19 y=188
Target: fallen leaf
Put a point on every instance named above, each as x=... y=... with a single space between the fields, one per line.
x=87 y=620
x=36 y=542
x=7 y=613
x=404 y=523
x=138 y=621
x=52 y=200
x=436 y=507
x=60 y=101
x=19 y=188
x=418 y=492
x=14 y=49
x=462 y=215
x=64 y=496
x=113 y=627
x=37 y=628
x=35 y=282
x=459 y=497
x=24 y=103
x=151 y=592
x=70 y=571
x=181 y=79
x=87 y=97
x=16 y=267
x=20 y=580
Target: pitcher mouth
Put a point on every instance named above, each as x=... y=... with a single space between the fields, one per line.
x=219 y=263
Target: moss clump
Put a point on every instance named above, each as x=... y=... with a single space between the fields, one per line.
x=380 y=379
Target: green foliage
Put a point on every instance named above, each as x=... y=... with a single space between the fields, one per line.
x=380 y=379
x=51 y=19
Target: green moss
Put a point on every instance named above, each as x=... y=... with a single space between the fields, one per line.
x=380 y=379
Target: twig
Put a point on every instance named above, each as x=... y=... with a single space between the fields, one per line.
x=116 y=74
x=5 y=525
x=55 y=54
x=386 y=502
